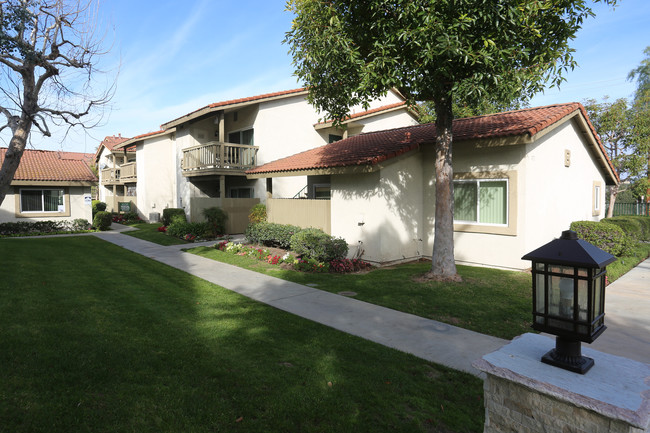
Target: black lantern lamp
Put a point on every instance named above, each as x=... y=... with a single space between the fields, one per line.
x=569 y=297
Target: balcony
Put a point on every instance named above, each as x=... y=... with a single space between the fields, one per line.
x=216 y=158
x=126 y=173
x=111 y=176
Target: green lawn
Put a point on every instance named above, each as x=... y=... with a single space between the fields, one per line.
x=95 y=338
x=489 y=301
x=149 y=232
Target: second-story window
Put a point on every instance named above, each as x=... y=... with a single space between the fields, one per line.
x=241 y=137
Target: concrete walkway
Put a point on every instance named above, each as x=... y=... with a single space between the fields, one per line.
x=627 y=309
x=434 y=341
x=627 y=316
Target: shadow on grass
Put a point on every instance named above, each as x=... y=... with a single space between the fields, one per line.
x=95 y=338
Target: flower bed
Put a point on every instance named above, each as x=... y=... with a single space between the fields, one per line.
x=299 y=264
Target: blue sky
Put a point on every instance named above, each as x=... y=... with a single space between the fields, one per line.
x=174 y=57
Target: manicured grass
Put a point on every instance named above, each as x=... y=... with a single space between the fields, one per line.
x=639 y=253
x=95 y=338
x=149 y=232
x=489 y=301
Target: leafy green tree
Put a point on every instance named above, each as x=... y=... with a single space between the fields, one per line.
x=49 y=76
x=642 y=104
x=623 y=131
x=642 y=74
x=427 y=109
x=349 y=52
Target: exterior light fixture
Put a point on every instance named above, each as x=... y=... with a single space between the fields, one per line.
x=569 y=297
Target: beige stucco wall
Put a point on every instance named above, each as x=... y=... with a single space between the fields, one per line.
x=381 y=212
x=557 y=195
x=396 y=205
x=156 y=167
x=75 y=201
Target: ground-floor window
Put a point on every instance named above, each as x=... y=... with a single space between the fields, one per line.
x=42 y=200
x=322 y=191
x=241 y=192
x=481 y=201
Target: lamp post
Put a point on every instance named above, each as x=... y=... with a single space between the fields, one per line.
x=569 y=297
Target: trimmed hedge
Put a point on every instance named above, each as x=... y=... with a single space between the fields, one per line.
x=606 y=236
x=20 y=228
x=271 y=234
x=637 y=227
x=318 y=245
x=103 y=220
x=188 y=231
x=170 y=213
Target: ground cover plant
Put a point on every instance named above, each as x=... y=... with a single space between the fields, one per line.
x=489 y=301
x=153 y=349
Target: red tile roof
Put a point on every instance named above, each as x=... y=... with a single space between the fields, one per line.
x=372 y=148
x=224 y=104
x=44 y=165
x=370 y=112
x=112 y=141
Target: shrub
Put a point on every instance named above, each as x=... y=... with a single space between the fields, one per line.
x=180 y=228
x=169 y=213
x=217 y=218
x=102 y=220
x=637 y=227
x=271 y=234
x=608 y=237
x=258 y=214
x=318 y=245
x=343 y=266
x=79 y=224
x=98 y=206
x=310 y=265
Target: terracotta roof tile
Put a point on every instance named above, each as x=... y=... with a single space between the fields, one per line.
x=111 y=141
x=369 y=112
x=375 y=147
x=43 y=165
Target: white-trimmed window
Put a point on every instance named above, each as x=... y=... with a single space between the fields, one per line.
x=481 y=201
x=595 y=211
x=42 y=201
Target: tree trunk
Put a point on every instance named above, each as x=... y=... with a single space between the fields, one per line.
x=12 y=158
x=613 y=192
x=443 y=265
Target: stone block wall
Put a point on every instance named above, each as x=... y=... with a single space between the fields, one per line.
x=513 y=408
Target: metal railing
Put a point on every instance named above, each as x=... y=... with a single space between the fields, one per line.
x=631 y=209
x=219 y=156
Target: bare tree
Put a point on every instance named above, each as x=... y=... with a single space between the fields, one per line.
x=49 y=51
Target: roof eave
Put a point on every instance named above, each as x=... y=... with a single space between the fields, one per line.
x=213 y=108
x=135 y=140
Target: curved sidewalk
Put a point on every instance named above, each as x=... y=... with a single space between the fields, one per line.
x=428 y=339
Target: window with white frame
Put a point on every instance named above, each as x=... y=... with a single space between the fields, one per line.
x=481 y=201
x=42 y=200
x=596 y=199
